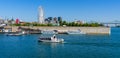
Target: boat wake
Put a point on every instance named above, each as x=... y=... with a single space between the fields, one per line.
x=95 y=44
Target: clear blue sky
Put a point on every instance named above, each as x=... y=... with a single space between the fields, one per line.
x=87 y=10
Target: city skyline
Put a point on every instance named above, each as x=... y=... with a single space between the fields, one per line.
x=69 y=10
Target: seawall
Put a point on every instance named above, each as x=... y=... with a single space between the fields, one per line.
x=88 y=30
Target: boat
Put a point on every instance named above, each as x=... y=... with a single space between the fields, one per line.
x=12 y=34
x=16 y=34
x=52 y=39
x=117 y=26
x=76 y=32
x=61 y=32
x=48 y=32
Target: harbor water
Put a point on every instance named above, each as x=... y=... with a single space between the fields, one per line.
x=75 y=46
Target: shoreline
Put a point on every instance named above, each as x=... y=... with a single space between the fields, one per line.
x=88 y=30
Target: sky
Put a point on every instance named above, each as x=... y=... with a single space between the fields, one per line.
x=69 y=10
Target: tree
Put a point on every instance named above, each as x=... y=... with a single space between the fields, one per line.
x=73 y=24
x=64 y=23
x=49 y=24
x=69 y=24
x=60 y=22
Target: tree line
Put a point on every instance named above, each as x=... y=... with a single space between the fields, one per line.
x=61 y=23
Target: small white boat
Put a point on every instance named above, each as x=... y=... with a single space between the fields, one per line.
x=53 y=39
x=48 y=32
x=16 y=34
x=76 y=32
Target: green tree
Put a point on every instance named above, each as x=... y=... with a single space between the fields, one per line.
x=73 y=23
x=60 y=22
x=64 y=23
x=49 y=24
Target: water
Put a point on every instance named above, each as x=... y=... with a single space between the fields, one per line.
x=75 y=46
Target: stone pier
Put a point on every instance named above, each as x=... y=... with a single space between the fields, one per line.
x=88 y=30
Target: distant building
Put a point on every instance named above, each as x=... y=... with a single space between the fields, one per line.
x=47 y=20
x=50 y=19
x=1 y=21
x=41 y=15
x=17 y=21
x=79 y=22
x=59 y=18
x=55 y=20
x=6 y=21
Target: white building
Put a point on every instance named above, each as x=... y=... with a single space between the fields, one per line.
x=41 y=15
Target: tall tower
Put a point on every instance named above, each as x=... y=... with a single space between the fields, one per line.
x=41 y=15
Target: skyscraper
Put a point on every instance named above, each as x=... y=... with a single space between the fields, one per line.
x=59 y=18
x=41 y=15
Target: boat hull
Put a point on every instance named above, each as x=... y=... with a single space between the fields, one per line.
x=48 y=32
x=57 y=41
x=14 y=34
x=75 y=32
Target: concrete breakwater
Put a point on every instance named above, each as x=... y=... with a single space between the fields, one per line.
x=88 y=30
